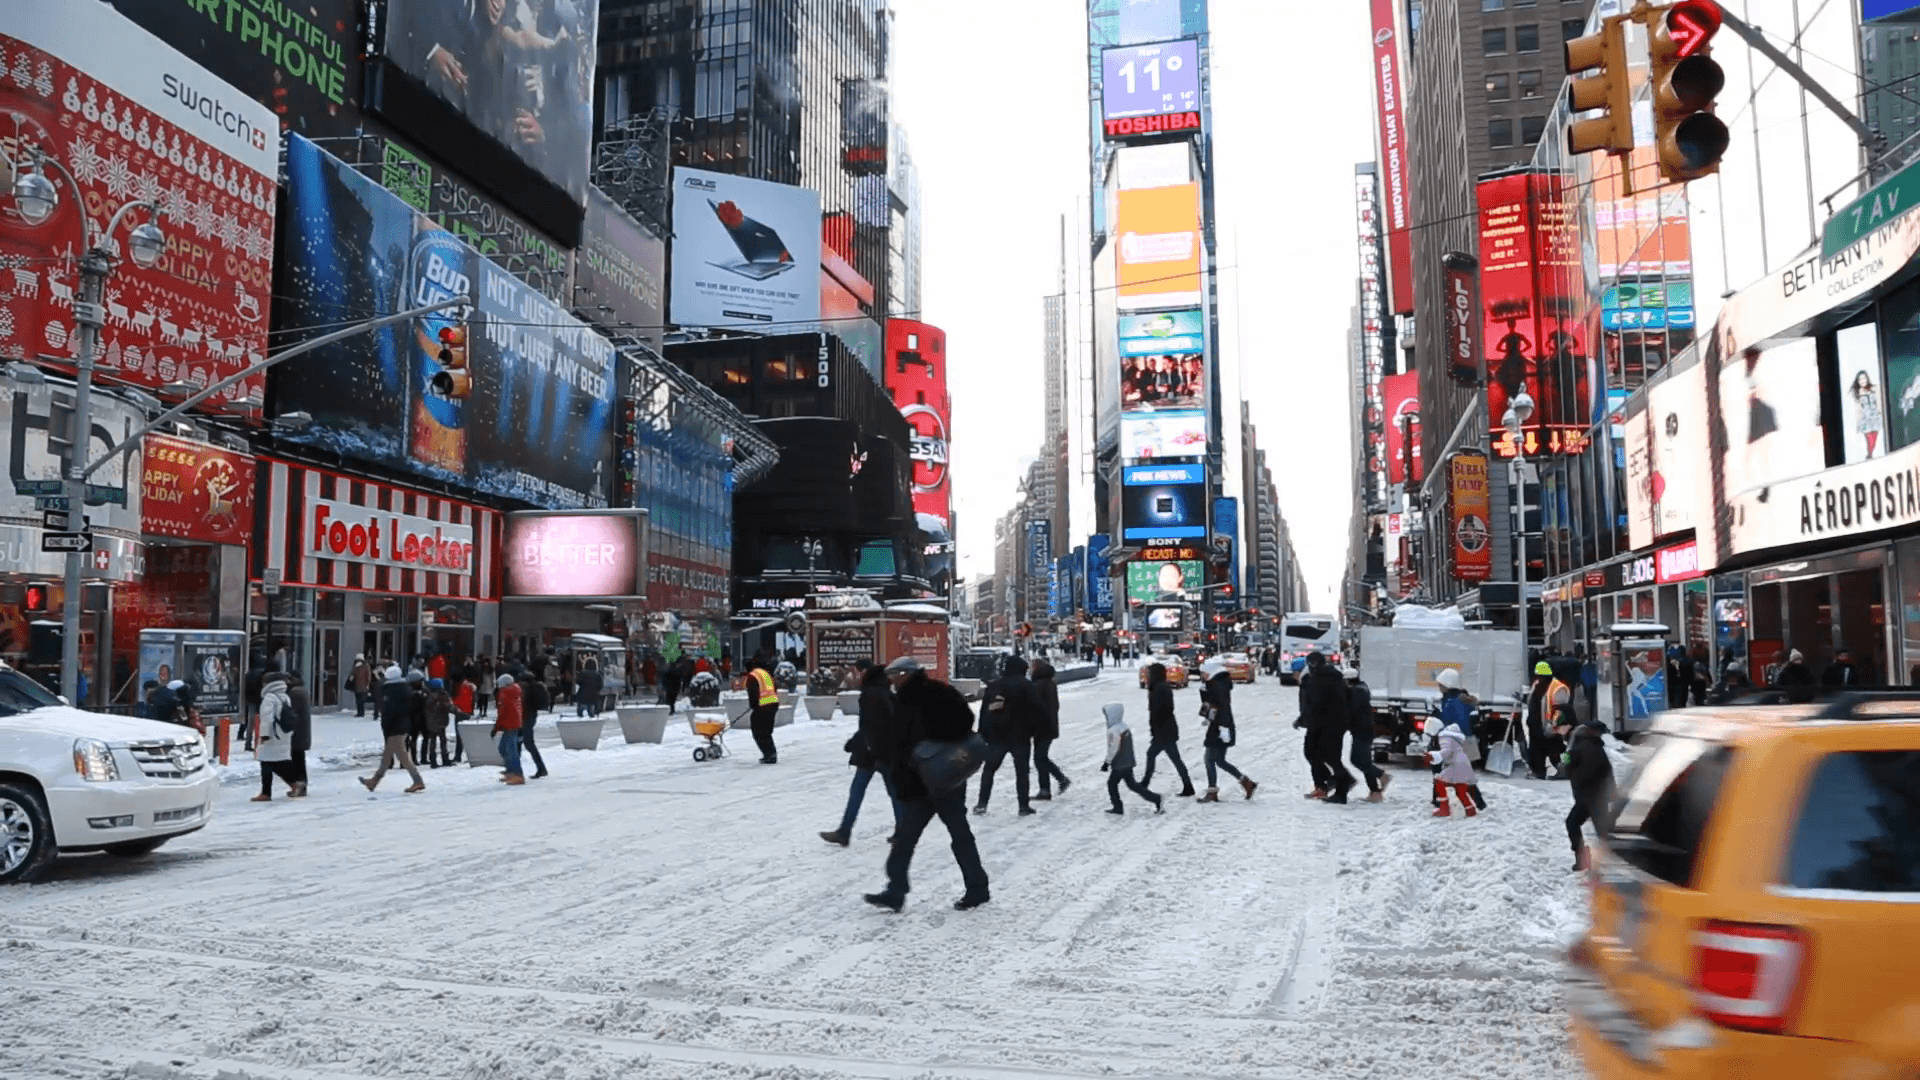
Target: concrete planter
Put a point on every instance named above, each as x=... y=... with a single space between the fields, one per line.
x=788 y=697
x=822 y=708
x=581 y=733
x=482 y=749
x=849 y=701
x=737 y=706
x=783 y=716
x=971 y=688
x=643 y=723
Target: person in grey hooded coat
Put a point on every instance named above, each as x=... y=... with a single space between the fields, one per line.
x=1120 y=762
x=273 y=744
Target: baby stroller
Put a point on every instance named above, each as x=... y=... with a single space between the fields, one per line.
x=714 y=730
x=703 y=690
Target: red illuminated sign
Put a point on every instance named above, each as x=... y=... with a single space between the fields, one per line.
x=916 y=376
x=1532 y=310
x=1390 y=101
x=1152 y=125
x=1171 y=554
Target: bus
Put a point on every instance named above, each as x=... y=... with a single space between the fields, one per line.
x=1303 y=632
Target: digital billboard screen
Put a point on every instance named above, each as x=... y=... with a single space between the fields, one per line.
x=1151 y=435
x=1157 y=246
x=1534 y=329
x=1163 y=502
x=1150 y=89
x=746 y=252
x=597 y=556
x=916 y=377
x=1163 y=361
x=1159 y=582
x=621 y=267
x=536 y=423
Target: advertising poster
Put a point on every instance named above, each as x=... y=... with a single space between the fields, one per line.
x=1163 y=361
x=1226 y=541
x=1157 y=248
x=621 y=271
x=1640 y=469
x=1468 y=503
x=156 y=662
x=213 y=664
x=131 y=118
x=1677 y=411
x=1645 y=233
x=925 y=642
x=521 y=73
x=475 y=220
x=1648 y=306
x=301 y=60
x=1099 y=576
x=1148 y=436
x=536 y=423
x=1163 y=582
x=837 y=646
x=595 y=556
x=1163 y=502
x=195 y=491
x=1532 y=328
x=916 y=377
x=1150 y=89
x=1390 y=121
x=1863 y=414
x=746 y=253
x=863 y=127
x=1770 y=404
x=33 y=429
x=1403 y=428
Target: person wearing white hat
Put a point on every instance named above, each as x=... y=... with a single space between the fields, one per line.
x=395 y=722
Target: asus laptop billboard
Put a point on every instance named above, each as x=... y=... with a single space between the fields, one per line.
x=746 y=253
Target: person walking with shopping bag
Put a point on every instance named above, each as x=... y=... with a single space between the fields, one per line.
x=932 y=726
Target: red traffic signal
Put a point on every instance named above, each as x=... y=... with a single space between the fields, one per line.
x=36 y=600
x=453 y=380
x=1691 y=24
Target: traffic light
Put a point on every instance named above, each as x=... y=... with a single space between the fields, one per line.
x=35 y=600
x=1606 y=90
x=454 y=379
x=1688 y=139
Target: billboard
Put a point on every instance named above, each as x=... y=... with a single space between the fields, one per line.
x=1533 y=333
x=1163 y=502
x=1124 y=22
x=1643 y=232
x=302 y=60
x=521 y=74
x=1163 y=333
x=597 y=556
x=1653 y=305
x=1150 y=89
x=195 y=491
x=1373 y=333
x=1148 y=435
x=916 y=377
x=479 y=222
x=1157 y=246
x=131 y=118
x=621 y=270
x=1460 y=273
x=863 y=127
x=1468 y=505
x=1226 y=541
x=746 y=253
x=1163 y=361
x=1390 y=101
x=537 y=425
x=1039 y=548
x=1163 y=582
x=1099 y=576
x=1665 y=445
x=34 y=422
x=1403 y=428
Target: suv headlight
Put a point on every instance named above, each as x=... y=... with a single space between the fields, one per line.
x=93 y=760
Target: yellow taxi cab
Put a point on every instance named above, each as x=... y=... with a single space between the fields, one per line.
x=1239 y=666
x=1756 y=899
x=1176 y=670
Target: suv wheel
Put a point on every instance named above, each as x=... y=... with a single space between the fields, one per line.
x=133 y=849
x=26 y=835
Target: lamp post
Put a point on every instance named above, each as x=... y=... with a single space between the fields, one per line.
x=1519 y=411
x=36 y=198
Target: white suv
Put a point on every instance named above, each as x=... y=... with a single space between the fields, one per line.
x=72 y=780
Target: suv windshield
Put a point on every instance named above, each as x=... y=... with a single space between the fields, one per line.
x=1859 y=829
x=20 y=694
x=1659 y=825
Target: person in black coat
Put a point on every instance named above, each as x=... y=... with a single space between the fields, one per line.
x=1217 y=706
x=876 y=723
x=669 y=686
x=588 y=685
x=926 y=710
x=535 y=698
x=1795 y=679
x=396 y=703
x=1323 y=712
x=1048 y=731
x=1163 y=729
x=1591 y=771
x=1013 y=713
x=301 y=707
x=1360 y=728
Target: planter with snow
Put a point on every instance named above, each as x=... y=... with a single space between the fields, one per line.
x=581 y=733
x=737 y=706
x=850 y=702
x=783 y=716
x=822 y=707
x=482 y=748
x=643 y=723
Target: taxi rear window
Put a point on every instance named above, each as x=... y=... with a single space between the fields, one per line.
x=1659 y=826
x=1859 y=829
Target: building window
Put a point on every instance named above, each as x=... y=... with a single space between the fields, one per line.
x=1499 y=131
x=1493 y=5
x=1531 y=128
x=1499 y=87
x=1526 y=39
x=1524 y=3
x=1493 y=42
x=1529 y=83
x=1571 y=28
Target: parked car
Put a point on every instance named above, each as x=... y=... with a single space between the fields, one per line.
x=1176 y=669
x=1752 y=895
x=73 y=781
x=1239 y=666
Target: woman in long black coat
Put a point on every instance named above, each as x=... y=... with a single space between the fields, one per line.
x=1048 y=731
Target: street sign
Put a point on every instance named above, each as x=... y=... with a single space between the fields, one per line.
x=66 y=541
x=52 y=502
x=38 y=487
x=270 y=581
x=1871 y=212
x=56 y=520
x=97 y=494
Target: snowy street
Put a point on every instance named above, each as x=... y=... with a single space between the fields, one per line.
x=638 y=915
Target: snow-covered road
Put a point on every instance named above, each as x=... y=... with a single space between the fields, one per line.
x=637 y=915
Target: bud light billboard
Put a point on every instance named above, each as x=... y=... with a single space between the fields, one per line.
x=506 y=395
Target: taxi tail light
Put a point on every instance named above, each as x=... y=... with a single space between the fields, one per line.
x=1748 y=976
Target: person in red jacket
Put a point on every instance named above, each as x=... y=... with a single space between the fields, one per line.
x=463 y=696
x=506 y=726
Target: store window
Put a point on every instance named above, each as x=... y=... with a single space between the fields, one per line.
x=1526 y=39
x=1499 y=87
x=1493 y=42
x=1499 y=131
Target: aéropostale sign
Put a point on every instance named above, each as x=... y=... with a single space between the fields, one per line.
x=299 y=58
x=131 y=118
x=537 y=425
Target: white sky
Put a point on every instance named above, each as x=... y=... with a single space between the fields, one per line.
x=993 y=94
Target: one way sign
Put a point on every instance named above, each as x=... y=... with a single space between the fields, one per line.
x=58 y=541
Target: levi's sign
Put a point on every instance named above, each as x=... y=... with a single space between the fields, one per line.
x=337 y=530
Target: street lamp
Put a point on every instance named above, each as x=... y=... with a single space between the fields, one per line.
x=36 y=198
x=1519 y=411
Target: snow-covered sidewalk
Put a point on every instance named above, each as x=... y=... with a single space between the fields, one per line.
x=638 y=915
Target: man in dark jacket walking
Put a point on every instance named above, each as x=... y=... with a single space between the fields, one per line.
x=876 y=725
x=1011 y=716
x=1323 y=712
x=588 y=685
x=535 y=699
x=1163 y=729
x=1048 y=731
x=396 y=703
x=1591 y=771
x=1217 y=705
x=301 y=707
x=925 y=710
x=1360 y=728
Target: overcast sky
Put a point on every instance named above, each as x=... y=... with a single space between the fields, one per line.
x=994 y=97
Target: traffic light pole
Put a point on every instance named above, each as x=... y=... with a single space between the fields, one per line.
x=1761 y=45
